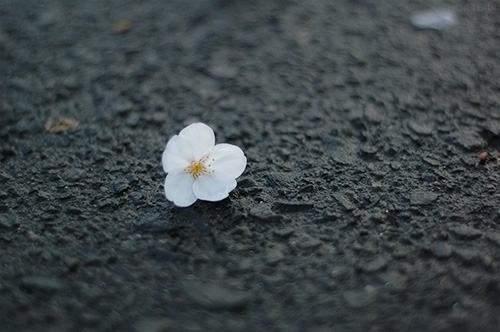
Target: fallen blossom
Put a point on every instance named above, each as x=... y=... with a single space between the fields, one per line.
x=199 y=169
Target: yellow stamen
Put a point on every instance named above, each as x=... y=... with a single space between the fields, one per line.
x=197 y=168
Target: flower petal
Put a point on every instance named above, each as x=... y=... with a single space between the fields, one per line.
x=213 y=187
x=202 y=138
x=177 y=155
x=228 y=160
x=179 y=189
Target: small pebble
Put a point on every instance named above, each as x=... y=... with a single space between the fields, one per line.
x=420 y=128
x=423 y=197
x=442 y=250
x=60 y=125
x=42 y=284
x=264 y=212
x=437 y=19
x=483 y=157
x=274 y=256
x=123 y=25
x=466 y=232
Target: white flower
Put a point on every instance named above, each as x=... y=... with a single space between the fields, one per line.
x=199 y=169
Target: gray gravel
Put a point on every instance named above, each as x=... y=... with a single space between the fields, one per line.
x=363 y=207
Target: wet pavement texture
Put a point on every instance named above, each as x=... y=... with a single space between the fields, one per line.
x=371 y=196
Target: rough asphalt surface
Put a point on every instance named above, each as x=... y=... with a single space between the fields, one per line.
x=364 y=205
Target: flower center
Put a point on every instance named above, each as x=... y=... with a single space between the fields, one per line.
x=197 y=168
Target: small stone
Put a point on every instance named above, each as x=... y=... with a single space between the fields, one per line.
x=242 y=231
x=345 y=156
x=308 y=242
x=367 y=248
x=493 y=126
x=345 y=201
x=368 y=150
x=428 y=177
x=394 y=279
x=420 y=128
x=274 y=256
x=466 y=232
x=340 y=273
x=483 y=157
x=133 y=120
x=246 y=265
x=423 y=197
x=469 y=256
x=73 y=175
x=431 y=161
x=29 y=233
x=43 y=195
x=357 y=299
x=71 y=263
x=469 y=140
x=442 y=250
x=437 y=19
x=246 y=183
x=8 y=220
x=400 y=252
x=42 y=284
x=122 y=108
x=374 y=265
x=373 y=114
x=264 y=212
x=119 y=186
x=60 y=125
x=123 y=25
x=93 y=259
x=284 y=232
